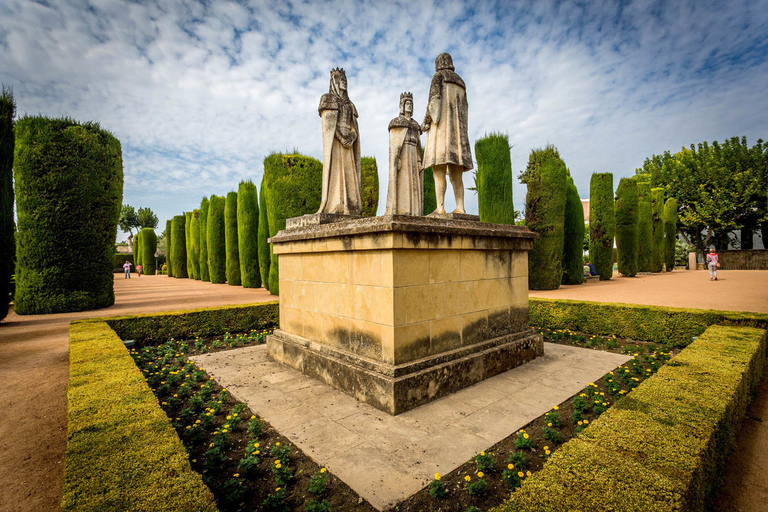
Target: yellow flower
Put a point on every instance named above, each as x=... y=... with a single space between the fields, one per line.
x=549 y=424
x=253 y=417
x=482 y=453
x=525 y=436
x=480 y=474
x=210 y=445
x=547 y=452
x=581 y=423
x=586 y=422
x=437 y=476
x=277 y=461
x=229 y=417
x=546 y=447
x=467 y=478
x=257 y=452
x=256 y=445
x=520 y=474
x=322 y=470
x=277 y=444
x=277 y=490
x=527 y=473
x=278 y=466
x=510 y=466
x=556 y=408
x=236 y=475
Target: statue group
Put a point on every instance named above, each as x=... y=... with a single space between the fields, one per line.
x=446 y=151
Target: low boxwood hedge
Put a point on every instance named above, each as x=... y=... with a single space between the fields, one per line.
x=664 y=446
x=673 y=326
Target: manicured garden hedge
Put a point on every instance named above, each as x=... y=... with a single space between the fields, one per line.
x=69 y=190
x=674 y=326
x=248 y=234
x=120 y=260
x=148 y=249
x=122 y=452
x=137 y=248
x=194 y=234
x=657 y=209
x=265 y=253
x=644 y=228
x=626 y=226
x=205 y=273
x=369 y=186
x=430 y=196
x=188 y=244
x=602 y=224
x=230 y=236
x=7 y=228
x=179 y=246
x=217 y=248
x=664 y=446
x=169 y=247
x=573 y=234
x=494 y=179
x=670 y=232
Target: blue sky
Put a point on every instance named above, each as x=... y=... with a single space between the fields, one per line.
x=200 y=92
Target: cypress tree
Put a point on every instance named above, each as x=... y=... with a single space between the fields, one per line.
x=626 y=226
x=194 y=233
x=168 y=248
x=69 y=190
x=369 y=187
x=602 y=224
x=137 y=249
x=188 y=244
x=205 y=274
x=670 y=232
x=230 y=235
x=265 y=253
x=148 y=249
x=179 y=246
x=248 y=234
x=547 y=180
x=573 y=236
x=217 y=247
x=644 y=227
x=293 y=184
x=430 y=196
x=7 y=229
x=657 y=208
x=494 y=179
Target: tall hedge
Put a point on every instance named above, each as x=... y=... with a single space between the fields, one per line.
x=292 y=185
x=69 y=191
x=188 y=241
x=369 y=188
x=657 y=209
x=644 y=228
x=137 y=249
x=430 y=196
x=494 y=179
x=194 y=234
x=217 y=247
x=265 y=254
x=547 y=180
x=230 y=236
x=602 y=224
x=7 y=229
x=148 y=249
x=169 y=247
x=248 y=234
x=179 y=246
x=573 y=236
x=626 y=226
x=670 y=232
x=205 y=273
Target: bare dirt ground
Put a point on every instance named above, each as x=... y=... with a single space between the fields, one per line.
x=34 y=368
x=746 y=479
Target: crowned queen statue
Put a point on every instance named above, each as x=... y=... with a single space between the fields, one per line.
x=341 y=150
x=405 y=194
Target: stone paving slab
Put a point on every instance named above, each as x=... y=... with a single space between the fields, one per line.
x=387 y=458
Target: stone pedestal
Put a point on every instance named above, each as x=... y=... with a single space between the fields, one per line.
x=397 y=311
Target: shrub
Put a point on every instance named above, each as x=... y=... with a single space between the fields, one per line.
x=657 y=223
x=148 y=249
x=230 y=237
x=430 y=197
x=188 y=246
x=573 y=236
x=248 y=234
x=179 y=246
x=7 y=228
x=293 y=184
x=644 y=228
x=194 y=234
x=670 y=232
x=217 y=248
x=265 y=253
x=546 y=177
x=69 y=183
x=493 y=179
x=602 y=224
x=205 y=273
x=626 y=226
x=137 y=248
x=169 y=247
x=369 y=188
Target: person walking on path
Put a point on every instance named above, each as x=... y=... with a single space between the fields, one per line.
x=712 y=263
x=127 y=268
x=138 y=270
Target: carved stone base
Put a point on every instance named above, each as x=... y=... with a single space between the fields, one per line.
x=396 y=389
x=455 y=216
x=316 y=219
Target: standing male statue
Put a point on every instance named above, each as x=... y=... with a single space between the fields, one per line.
x=405 y=194
x=341 y=149
x=447 y=148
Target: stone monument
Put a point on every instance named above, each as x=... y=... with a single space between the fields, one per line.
x=405 y=193
x=447 y=148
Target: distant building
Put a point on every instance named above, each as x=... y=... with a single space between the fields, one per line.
x=585 y=206
x=123 y=249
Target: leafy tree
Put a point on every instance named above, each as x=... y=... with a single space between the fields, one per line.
x=129 y=220
x=147 y=218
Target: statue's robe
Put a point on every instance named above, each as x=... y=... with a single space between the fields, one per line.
x=447 y=138
x=341 y=156
x=405 y=191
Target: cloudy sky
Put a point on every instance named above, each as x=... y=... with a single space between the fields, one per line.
x=200 y=92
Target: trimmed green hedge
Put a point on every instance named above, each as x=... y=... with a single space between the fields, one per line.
x=670 y=232
x=120 y=260
x=494 y=179
x=657 y=209
x=69 y=190
x=248 y=234
x=430 y=196
x=179 y=246
x=122 y=451
x=169 y=247
x=230 y=236
x=7 y=227
x=217 y=248
x=674 y=326
x=188 y=244
x=369 y=188
x=644 y=228
x=148 y=249
x=205 y=273
x=265 y=252
x=137 y=248
x=626 y=226
x=194 y=234
x=663 y=447
x=602 y=224
x=573 y=234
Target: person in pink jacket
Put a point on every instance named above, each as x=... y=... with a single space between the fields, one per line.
x=712 y=264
